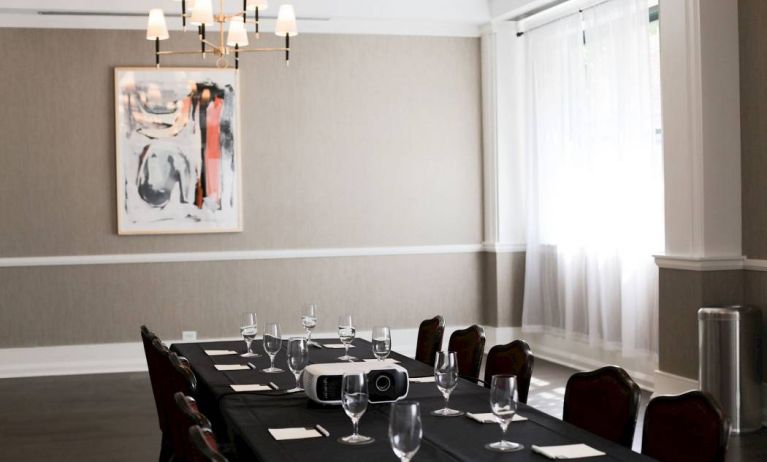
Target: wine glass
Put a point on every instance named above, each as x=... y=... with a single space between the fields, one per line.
x=504 y=407
x=381 y=342
x=354 y=398
x=405 y=430
x=298 y=356
x=309 y=321
x=446 y=377
x=346 y=333
x=272 y=345
x=248 y=330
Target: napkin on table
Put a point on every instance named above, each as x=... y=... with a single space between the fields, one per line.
x=253 y=387
x=295 y=433
x=387 y=360
x=567 y=451
x=489 y=417
x=231 y=367
x=429 y=379
x=220 y=352
x=337 y=346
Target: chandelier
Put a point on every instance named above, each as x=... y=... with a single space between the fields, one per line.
x=233 y=42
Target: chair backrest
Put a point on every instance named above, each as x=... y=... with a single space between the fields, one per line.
x=185 y=415
x=685 y=428
x=180 y=379
x=469 y=346
x=604 y=402
x=204 y=447
x=513 y=358
x=156 y=378
x=430 y=334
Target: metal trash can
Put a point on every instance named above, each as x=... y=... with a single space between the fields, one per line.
x=730 y=366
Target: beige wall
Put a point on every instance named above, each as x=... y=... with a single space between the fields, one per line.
x=363 y=141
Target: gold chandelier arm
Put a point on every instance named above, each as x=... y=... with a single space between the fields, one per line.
x=211 y=44
x=196 y=52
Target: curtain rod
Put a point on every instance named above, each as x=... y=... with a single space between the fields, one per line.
x=654 y=13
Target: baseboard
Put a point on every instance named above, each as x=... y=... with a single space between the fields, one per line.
x=671 y=384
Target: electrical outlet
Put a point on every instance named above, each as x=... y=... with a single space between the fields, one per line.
x=189 y=335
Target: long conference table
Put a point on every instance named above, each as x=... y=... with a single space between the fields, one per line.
x=243 y=418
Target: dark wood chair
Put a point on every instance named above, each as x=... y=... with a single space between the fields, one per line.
x=204 y=447
x=430 y=334
x=469 y=346
x=186 y=415
x=604 y=402
x=155 y=356
x=685 y=428
x=513 y=358
x=181 y=379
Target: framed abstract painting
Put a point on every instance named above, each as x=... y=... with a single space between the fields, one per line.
x=178 y=155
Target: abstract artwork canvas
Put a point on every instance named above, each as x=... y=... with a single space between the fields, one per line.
x=178 y=162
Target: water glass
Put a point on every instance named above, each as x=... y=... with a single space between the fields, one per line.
x=346 y=333
x=272 y=345
x=381 y=342
x=354 y=399
x=405 y=429
x=249 y=330
x=504 y=407
x=298 y=357
x=446 y=377
x=309 y=321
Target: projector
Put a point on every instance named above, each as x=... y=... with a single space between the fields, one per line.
x=386 y=382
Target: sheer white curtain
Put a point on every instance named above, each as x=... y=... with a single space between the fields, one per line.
x=595 y=191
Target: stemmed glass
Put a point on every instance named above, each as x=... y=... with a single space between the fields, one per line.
x=309 y=321
x=249 y=329
x=405 y=430
x=354 y=398
x=346 y=333
x=381 y=342
x=504 y=407
x=272 y=345
x=446 y=377
x=298 y=356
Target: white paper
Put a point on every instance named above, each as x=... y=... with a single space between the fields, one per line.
x=294 y=433
x=338 y=346
x=386 y=361
x=429 y=379
x=253 y=387
x=231 y=367
x=567 y=451
x=220 y=352
x=489 y=417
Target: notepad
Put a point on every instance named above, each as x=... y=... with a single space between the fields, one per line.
x=489 y=417
x=567 y=451
x=387 y=361
x=220 y=352
x=295 y=433
x=337 y=346
x=252 y=387
x=231 y=367
x=429 y=379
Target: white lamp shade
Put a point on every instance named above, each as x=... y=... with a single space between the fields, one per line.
x=202 y=13
x=237 y=33
x=286 y=22
x=155 y=26
x=260 y=4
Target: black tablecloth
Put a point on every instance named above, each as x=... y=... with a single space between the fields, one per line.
x=244 y=418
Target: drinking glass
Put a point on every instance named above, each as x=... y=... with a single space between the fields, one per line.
x=354 y=398
x=405 y=430
x=346 y=333
x=381 y=342
x=309 y=321
x=503 y=405
x=298 y=356
x=248 y=330
x=272 y=345
x=446 y=377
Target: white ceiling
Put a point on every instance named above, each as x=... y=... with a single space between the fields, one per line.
x=418 y=17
